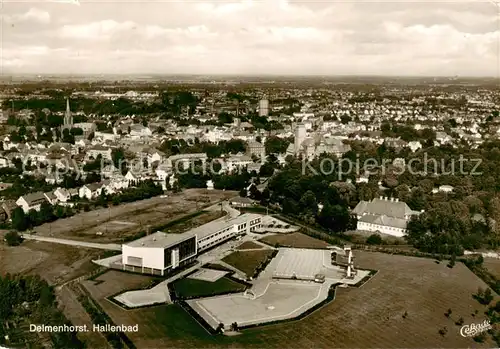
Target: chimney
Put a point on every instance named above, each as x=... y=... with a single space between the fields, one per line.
x=397 y=200
x=392 y=199
x=381 y=198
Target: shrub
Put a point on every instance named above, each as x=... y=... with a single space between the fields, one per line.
x=12 y=238
x=374 y=239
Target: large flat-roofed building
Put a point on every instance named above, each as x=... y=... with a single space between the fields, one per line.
x=159 y=253
x=216 y=232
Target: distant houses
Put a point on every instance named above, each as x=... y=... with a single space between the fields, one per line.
x=32 y=201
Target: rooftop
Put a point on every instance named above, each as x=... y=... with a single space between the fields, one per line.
x=384 y=206
x=217 y=225
x=160 y=239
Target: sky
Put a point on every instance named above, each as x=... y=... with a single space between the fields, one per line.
x=267 y=37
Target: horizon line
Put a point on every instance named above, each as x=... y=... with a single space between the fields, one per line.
x=40 y=76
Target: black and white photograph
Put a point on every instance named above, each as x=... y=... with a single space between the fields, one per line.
x=249 y=174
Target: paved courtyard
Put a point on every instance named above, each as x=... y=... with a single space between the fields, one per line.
x=272 y=299
x=209 y=275
x=281 y=300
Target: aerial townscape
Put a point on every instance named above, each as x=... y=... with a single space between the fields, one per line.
x=283 y=203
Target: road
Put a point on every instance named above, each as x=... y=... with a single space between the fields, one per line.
x=114 y=247
x=489 y=254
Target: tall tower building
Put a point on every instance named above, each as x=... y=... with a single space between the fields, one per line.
x=263 y=107
x=68 y=118
x=300 y=136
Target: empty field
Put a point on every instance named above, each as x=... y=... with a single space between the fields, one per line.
x=119 y=222
x=247 y=261
x=192 y=288
x=297 y=240
x=366 y=317
x=112 y=282
x=493 y=266
x=55 y=263
x=182 y=225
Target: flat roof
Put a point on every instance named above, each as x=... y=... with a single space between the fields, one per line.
x=160 y=239
x=217 y=225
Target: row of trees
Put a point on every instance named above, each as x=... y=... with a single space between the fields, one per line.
x=301 y=195
x=22 y=185
x=29 y=299
x=49 y=213
x=213 y=150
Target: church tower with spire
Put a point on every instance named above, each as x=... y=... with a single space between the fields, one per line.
x=68 y=118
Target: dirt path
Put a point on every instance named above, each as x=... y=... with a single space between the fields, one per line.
x=75 y=312
x=113 y=247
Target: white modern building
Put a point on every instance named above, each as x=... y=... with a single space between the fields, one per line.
x=159 y=253
x=216 y=232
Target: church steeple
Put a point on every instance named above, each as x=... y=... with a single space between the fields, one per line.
x=68 y=118
x=68 y=111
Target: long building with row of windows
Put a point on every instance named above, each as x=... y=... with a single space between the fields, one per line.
x=160 y=253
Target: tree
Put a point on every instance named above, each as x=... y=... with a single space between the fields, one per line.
x=308 y=202
x=220 y=328
x=118 y=157
x=12 y=238
x=385 y=127
x=374 y=239
x=480 y=338
x=266 y=194
x=345 y=119
x=19 y=220
x=443 y=331
x=67 y=137
x=448 y=313
x=487 y=297
x=243 y=193
x=276 y=145
x=453 y=259
x=46 y=212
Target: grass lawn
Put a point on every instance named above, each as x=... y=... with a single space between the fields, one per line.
x=366 y=317
x=297 y=240
x=493 y=266
x=249 y=245
x=247 y=261
x=193 y=288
